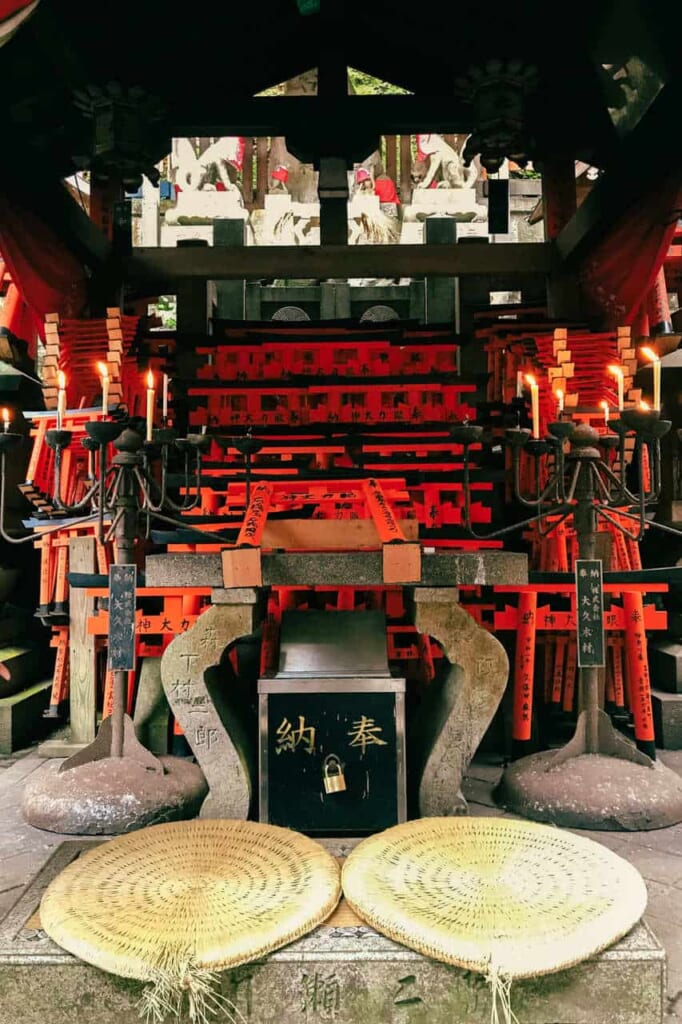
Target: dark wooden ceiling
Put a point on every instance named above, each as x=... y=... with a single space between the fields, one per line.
x=201 y=62
x=204 y=64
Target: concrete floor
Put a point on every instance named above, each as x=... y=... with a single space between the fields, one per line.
x=656 y=854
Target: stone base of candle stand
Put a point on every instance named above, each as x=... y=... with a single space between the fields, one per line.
x=592 y=791
x=106 y=795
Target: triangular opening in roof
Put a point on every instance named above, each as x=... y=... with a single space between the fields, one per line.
x=365 y=84
x=360 y=83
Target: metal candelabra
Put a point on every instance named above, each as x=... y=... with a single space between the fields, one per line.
x=585 y=482
x=122 y=497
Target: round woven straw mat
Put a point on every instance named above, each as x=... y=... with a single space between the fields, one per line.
x=209 y=893
x=517 y=897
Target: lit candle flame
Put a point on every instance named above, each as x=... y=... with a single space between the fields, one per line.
x=150 y=380
x=644 y=406
x=649 y=353
x=616 y=371
x=530 y=379
x=5 y=419
x=103 y=370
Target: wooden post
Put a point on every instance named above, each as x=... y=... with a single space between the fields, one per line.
x=261 y=171
x=247 y=173
x=242 y=563
x=405 y=168
x=82 y=695
x=401 y=558
x=524 y=667
x=391 y=166
x=638 y=672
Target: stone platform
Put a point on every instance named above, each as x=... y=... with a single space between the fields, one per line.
x=343 y=972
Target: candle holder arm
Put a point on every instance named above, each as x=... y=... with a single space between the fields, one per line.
x=208 y=538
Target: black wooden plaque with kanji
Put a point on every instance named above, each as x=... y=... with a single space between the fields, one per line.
x=589 y=592
x=122 y=583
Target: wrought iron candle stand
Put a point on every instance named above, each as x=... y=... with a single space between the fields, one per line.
x=599 y=779
x=115 y=784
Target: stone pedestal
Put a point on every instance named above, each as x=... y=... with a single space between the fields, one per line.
x=211 y=726
x=459 y=203
x=203 y=206
x=455 y=717
x=343 y=972
x=462 y=707
x=285 y=222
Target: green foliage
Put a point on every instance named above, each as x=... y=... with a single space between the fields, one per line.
x=166 y=307
x=364 y=85
x=368 y=85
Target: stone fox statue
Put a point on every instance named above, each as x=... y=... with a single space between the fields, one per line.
x=442 y=157
x=196 y=172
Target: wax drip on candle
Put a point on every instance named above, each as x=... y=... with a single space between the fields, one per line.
x=104 y=374
x=150 y=405
x=535 y=404
x=617 y=372
x=655 y=359
x=61 y=398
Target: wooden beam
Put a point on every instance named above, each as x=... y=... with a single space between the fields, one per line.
x=636 y=170
x=283 y=115
x=165 y=266
x=51 y=201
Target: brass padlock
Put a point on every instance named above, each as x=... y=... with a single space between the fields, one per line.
x=332 y=773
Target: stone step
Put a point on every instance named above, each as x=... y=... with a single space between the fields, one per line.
x=343 y=972
x=22 y=666
x=21 y=717
x=667 y=709
x=665 y=664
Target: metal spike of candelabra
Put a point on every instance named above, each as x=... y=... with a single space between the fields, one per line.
x=121 y=494
x=599 y=779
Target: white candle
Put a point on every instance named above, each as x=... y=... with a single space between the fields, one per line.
x=104 y=374
x=519 y=383
x=650 y=354
x=618 y=374
x=164 y=399
x=150 y=405
x=560 y=401
x=5 y=420
x=605 y=406
x=61 y=399
x=535 y=404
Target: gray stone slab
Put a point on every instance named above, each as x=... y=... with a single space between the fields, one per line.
x=21 y=716
x=60 y=748
x=667 y=709
x=237 y=595
x=344 y=973
x=442 y=569
x=665 y=665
